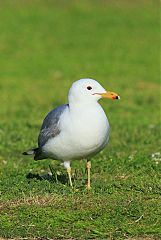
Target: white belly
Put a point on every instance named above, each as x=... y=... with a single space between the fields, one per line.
x=82 y=135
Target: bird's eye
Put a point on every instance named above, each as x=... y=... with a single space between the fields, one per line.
x=89 y=87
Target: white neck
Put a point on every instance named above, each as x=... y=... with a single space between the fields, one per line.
x=76 y=106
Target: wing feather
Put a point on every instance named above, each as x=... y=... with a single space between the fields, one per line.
x=50 y=127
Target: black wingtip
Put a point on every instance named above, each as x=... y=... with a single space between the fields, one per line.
x=24 y=153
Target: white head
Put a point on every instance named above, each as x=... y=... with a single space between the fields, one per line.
x=88 y=90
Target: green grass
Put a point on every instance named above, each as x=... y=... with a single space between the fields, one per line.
x=44 y=47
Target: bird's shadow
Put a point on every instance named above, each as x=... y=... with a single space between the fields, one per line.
x=54 y=177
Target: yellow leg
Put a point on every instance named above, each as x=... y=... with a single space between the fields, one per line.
x=69 y=176
x=88 y=166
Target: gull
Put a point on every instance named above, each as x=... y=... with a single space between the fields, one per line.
x=77 y=130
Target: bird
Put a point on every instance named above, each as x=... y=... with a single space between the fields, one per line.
x=77 y=130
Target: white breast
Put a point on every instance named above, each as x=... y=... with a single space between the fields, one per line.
x=84 y=132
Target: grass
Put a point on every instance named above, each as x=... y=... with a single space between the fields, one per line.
x=45 y=46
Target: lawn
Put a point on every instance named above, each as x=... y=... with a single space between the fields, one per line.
x=44 y=47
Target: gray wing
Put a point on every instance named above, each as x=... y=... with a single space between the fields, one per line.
x=50 y=126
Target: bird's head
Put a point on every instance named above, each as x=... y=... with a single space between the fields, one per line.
x=89 y=90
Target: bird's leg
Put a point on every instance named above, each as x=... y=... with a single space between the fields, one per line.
x=88 y=166
x=68 y=168
x=69 y=176
x=54 y=174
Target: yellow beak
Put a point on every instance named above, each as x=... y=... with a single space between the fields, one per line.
x=110 y=95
